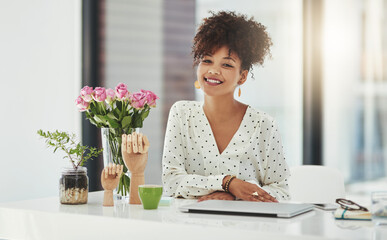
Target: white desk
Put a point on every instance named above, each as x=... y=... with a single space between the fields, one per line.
x=48 y=219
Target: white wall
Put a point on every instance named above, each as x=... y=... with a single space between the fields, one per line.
x=40 y=59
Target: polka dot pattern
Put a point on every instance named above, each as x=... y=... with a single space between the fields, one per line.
x=193 y=167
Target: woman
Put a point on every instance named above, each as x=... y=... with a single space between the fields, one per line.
x=222 y=148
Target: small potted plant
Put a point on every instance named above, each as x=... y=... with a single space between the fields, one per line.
x=73 y=184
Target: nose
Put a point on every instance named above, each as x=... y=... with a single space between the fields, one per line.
x=213 y=71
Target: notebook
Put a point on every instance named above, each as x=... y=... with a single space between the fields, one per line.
x=342 y=214
x=266 y=209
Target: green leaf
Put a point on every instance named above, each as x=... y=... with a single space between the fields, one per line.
x=119 y=105
x=100 y=119
x=116 y=113
x=144 y=114
x=67 y=142
x=88 y=115
x=112 y=116
x=93 y=109
x=137 y=121
x=113 y=123
x=126 y=121
x=127 y=181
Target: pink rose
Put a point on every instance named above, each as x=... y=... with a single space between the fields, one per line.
x=110 y=96
x=122 y=91
x=150 y=98
x=138 y=100
x=82 y=104
x=86 y=93
x=99 y=94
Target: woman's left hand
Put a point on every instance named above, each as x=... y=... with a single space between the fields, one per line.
x=217 y=196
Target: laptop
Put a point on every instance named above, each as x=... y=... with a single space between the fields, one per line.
x=247 y=208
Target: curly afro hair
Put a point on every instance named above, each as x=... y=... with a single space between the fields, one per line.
x=245 y=37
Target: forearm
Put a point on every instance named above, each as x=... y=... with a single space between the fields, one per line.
x=191 y=185
x=135 y=181
x=108 y=200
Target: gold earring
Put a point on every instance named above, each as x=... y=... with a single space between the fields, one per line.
x=197 y=85
x=239 y=91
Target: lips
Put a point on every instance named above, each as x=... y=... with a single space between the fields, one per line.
x=212 y=81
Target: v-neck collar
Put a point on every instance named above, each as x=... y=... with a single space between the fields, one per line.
x=212 y=137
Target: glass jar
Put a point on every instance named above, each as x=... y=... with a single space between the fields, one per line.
x=74 y=186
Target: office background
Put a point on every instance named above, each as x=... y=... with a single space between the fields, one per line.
x=326 y=83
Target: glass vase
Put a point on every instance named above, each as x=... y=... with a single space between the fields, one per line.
x=73 y=186
x=111 y=143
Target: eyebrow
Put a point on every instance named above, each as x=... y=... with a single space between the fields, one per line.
x=228 y=57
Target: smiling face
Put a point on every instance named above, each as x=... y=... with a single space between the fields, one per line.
x=220 y=73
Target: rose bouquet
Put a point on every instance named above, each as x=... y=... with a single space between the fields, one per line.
x=116 y=112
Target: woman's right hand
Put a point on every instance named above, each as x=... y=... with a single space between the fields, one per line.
x=244 y=190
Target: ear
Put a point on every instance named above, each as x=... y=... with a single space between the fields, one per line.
x=243 y=78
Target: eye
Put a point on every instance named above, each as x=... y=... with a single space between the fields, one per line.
x=228 y=65
x=206 y=61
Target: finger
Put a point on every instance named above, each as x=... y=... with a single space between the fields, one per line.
x=140 y=145
x=123 y=142
x=201 y=199
x=250 y=197
x=268 y=196
x=106 y=170
x=262 y=199
x=122 y=169
x=254 y=199
x=110 y=168
x=204 y=198
x=146 y=143
x=134 y=142
x=118 y=169
x=114 y=169
x=263 y=194
x=129 y=143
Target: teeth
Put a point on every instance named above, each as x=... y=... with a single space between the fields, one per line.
x=213 y=81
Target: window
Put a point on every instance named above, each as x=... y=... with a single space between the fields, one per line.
x=355 y=88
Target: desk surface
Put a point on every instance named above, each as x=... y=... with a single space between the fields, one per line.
x=47 y=219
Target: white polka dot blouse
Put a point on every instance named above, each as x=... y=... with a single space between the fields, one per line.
x=193 y=167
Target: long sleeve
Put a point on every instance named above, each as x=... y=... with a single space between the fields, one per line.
x=193 y=166
x=177 y=182
x=275 y=168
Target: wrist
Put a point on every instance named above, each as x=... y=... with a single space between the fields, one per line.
x=231 y=185
x=137 y=174
x=227 y=183
x=225 y=179
x=108 y=198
